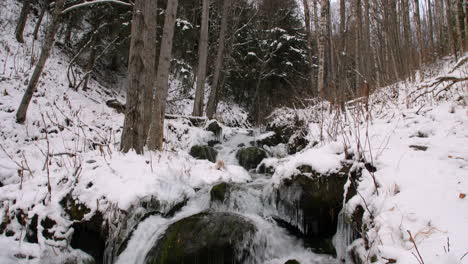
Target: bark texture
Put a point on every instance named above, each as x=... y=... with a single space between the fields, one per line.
x=202 y=59
x=141 y=72
x=213 y=99
x=156 y=134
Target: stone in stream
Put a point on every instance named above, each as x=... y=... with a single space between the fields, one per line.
x=220 y=192
x=208 y=237
x=214 y=127
x=250 y=157
x=204 y=153
x=308 y=205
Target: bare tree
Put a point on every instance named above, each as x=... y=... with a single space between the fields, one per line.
x=309 y=40
x=431 y=24
x=156 y=134
x=141 y=71
x=213 y=99
x=44 y=7
x=202 y=59
x=417 y=23
x=325 y=12
x=22 y=20
x=45 y=52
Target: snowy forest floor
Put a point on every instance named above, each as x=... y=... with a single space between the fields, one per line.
x=416 y=135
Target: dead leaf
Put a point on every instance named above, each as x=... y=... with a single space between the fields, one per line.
x=462 y=196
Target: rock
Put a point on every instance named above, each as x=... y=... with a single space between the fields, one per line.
x=418 y=148
x=250 y=157
x=47 y=226
x=292 y=261
x=214 y=127
x=90 y=236
x=213 y=143
x=73 y=208
x=297 y=144
x=310 y=205
x=264 y=169
x=115 y=104
x=219 y=192
x=209 y=237
x=272 y=140
x=204 y=153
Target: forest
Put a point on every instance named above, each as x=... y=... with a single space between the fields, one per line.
x=233 y=131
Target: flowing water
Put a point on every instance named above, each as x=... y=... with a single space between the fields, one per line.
x=254 y=201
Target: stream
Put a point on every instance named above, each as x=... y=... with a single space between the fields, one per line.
x=254 y=202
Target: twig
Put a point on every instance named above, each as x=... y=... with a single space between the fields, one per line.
x=420 y=259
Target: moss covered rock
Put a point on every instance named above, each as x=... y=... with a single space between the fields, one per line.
x=204 y=153
x=220 y=192
x=209 y=237
x=250 y=157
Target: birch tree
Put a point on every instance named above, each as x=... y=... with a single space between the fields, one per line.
x=156 y=134
x=202 y=59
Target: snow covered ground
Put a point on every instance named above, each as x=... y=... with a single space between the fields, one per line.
x=70 y=142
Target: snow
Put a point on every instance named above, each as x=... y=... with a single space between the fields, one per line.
x=419 y=191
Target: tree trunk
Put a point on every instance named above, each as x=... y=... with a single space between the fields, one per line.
x=309 y=41
x=408 y=45
x=466 y=26
x=44 y=7
x=461 y=34
x=45 y=52
x=417 y=23
x=202 y=59
x=156 y=134
x=431 y=25
x=451 y=32
x=22 y=20
x=325 y=12
x=358 y=56
x=141 y=72
x=213 y=99
x=90 y=65
x=316 y=23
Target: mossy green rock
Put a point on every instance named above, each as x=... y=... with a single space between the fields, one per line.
x=209 y=237
x=250 y=157
x=219 y=192
x=204 y=153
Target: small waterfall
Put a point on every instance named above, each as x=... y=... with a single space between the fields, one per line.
x=344 y=236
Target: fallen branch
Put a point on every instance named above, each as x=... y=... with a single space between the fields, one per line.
x=439 y=80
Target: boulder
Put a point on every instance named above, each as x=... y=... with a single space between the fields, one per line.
x=309 y=205
x=214 y=127
x=220 y=192
x=208 y=237
x=90 y=236
x=250 y=157
x=204 y=153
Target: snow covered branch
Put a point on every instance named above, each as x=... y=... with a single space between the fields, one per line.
x=95 y=2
